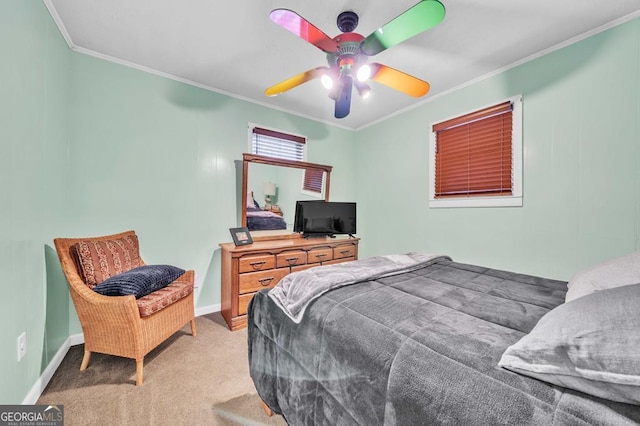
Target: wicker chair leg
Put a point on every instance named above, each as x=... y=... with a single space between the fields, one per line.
x=139 y=371
x=193 y=327
x=85 y=360
x=266 y=409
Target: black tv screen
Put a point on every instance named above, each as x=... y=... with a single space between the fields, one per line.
x=316 y=218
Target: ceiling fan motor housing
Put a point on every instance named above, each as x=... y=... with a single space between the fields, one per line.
x=349 y=47
x=347 y=21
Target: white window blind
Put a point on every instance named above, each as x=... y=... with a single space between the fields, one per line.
x=277 y=144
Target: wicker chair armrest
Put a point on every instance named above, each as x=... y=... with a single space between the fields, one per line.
x=187 y=277
x=101 y=306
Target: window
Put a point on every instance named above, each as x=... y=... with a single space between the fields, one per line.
x=476 y=158
x=277 y=144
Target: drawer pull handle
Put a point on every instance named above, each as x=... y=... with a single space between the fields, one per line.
x=265 y=281
x=291 y=260
x=345 y=251
x=257 y=265
x=321 y=255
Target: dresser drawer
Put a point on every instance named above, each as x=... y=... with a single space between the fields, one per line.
x=254 y=281
x=257 y=262
x=291 y=258
x=320 y=255
x=345 y=250
x=342 y=260
x=303 y=267
x=243 y=302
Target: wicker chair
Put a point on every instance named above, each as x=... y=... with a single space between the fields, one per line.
x=113 y=324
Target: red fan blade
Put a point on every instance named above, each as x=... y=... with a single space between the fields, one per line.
x=419 y=18
x=295 y=81
x=290 y=20
x=398 y=80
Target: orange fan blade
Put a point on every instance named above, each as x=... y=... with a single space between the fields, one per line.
x=295 y=81
x=398 y=80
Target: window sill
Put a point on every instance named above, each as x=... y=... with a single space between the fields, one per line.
x=476 y=202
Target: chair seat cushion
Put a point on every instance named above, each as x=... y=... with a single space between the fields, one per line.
x=164 y=297
x=139 y=281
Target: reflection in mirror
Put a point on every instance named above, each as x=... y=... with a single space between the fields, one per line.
x=272 y=186
x=275 y=190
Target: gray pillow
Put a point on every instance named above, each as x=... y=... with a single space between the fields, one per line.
x=591 y=344
x=616 y=272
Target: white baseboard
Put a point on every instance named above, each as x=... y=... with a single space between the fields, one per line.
x=76 y=339
x=47 y=374
x=205 y=310
x=73 y=340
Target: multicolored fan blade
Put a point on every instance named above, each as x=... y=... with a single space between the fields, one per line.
x=398 y=80
x=343 y=102
x=291 y=21
x=295 y=81
x=421 y=17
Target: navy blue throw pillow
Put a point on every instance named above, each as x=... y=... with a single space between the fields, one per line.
x=139 y=281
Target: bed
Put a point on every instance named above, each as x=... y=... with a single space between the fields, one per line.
x=261 y=220
x=422 y=344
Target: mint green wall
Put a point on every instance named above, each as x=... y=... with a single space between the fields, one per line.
x=34 y=89
x=581 y=166
x=158 y=156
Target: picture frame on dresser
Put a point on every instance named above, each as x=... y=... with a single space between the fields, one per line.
x=241 y=236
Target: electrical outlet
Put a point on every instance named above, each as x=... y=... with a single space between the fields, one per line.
x=22 y=345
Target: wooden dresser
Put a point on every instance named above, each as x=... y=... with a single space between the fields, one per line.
x=247 y=269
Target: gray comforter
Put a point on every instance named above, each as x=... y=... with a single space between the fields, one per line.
x=418 y=348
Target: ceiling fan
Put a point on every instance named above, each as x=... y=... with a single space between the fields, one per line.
x=347 y=53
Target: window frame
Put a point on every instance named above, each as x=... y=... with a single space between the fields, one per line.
x=513 y=200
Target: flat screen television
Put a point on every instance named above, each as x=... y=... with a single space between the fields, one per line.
x=322 y=218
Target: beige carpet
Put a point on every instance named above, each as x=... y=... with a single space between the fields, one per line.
x=187 y=381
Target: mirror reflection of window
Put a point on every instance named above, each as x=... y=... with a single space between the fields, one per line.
x=313 y=182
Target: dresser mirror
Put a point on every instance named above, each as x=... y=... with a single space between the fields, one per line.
x=270 y=189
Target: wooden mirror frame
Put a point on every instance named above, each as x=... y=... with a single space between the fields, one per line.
x=261 y=159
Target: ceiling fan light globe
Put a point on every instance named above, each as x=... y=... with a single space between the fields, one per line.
x=327 y=82
x=364 y=72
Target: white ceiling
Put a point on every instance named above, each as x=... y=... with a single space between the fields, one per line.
x=232 y=47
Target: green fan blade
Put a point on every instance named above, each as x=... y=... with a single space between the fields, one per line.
x=424 y=15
